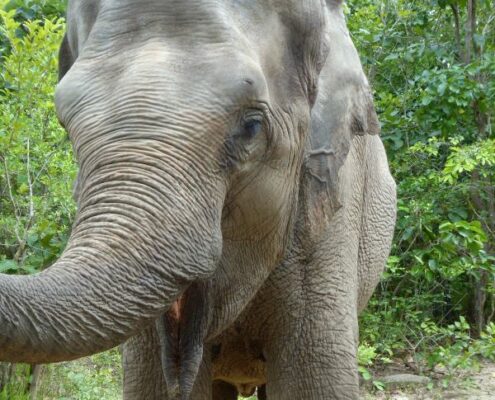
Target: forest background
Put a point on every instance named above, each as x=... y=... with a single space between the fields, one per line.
x=431 y=64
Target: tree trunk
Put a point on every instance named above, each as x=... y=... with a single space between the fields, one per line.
x=470 y=25
x=6 y=373
x=480 y=190
x=14 y=379
x=482 y=208
x=34 y=381
x=455 y=12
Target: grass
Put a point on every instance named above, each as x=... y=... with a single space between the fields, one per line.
x=94 y=378
x=100 y=378
x=15 y=389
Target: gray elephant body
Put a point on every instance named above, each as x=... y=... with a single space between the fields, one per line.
x=235 y=207
x=299 y=333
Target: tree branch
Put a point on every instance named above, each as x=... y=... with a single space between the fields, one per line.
x=457 y=22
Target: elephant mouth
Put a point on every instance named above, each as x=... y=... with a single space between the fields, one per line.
x=182 y=330
x=176 y=310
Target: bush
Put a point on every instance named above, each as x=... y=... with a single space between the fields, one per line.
x=437 y=112
x=36 y=163
x=436 y=107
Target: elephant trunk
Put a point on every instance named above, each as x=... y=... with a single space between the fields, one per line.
x=140 y=238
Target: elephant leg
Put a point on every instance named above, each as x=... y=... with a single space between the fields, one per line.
x=318 y=367
x=143 y=374
x=224 y=391
x=143 y=377
x=311 y=326
x=314 y=364
x=262 y=392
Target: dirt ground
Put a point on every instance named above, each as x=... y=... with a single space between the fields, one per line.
x=471 y=385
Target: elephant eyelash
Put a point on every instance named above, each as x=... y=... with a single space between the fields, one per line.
x=248 y=126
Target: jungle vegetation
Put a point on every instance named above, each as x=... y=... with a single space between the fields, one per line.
x=431 y=64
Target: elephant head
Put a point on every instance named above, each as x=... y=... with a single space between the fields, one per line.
x=190 y=122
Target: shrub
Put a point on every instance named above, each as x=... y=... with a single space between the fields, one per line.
x=36 y=163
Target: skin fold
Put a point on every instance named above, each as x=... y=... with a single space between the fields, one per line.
x=235 y=206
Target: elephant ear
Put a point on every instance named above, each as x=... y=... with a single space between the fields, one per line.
x=334 y=3
x=343 y=109
x=81 y=16
x=65 y=58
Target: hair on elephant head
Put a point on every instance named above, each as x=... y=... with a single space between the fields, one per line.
x=190 y=121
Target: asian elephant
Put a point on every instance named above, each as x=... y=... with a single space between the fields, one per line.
x=235 y=206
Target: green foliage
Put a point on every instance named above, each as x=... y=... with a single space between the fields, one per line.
x=16 y=388
x=95 y=378
x=367 y=356
x=453 y=347
x=437 y=109
x=28 y=10
x=411 y=57
x=462 y=160
x=34 y=9
x=36 y=163
x=436 y=106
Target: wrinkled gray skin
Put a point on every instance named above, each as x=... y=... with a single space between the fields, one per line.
x=229 y=157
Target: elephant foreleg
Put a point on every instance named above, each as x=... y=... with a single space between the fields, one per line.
x=261 y=392
x=314 y=365
x=378 y=221
x=312 y=329
x=143 y=373
x=143 y=376
x=224 y=391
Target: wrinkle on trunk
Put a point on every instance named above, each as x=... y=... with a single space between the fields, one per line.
x=122 y=268
x=62 y=315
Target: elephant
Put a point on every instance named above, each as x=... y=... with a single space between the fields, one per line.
x=235 y=204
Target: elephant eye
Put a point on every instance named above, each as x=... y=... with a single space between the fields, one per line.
x=240 y=145
x=252 y=126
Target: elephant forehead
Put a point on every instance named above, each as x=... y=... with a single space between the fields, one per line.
x=152 y=80
x=190 y=24
x=229 y=73
x=269 y=33
x=224 y=48
x=198 y=26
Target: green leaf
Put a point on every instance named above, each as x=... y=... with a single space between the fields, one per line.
x=8 y=265
x=433 y=264
x=441 y=89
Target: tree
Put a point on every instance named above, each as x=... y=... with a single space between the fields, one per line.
x=432 y=66
x=36 y=166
